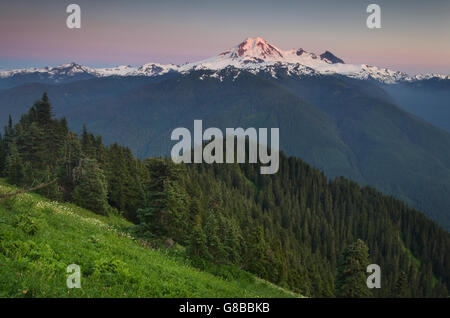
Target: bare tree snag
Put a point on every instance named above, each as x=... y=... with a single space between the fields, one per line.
x=40 y=186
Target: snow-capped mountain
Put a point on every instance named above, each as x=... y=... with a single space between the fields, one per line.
x=69 y=69
x=253 y=55
x=256 y=54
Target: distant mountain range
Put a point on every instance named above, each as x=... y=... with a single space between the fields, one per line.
x=375 y=126
x=253 y=55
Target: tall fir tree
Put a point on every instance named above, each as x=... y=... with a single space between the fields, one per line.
x=166 y=201
x=350 y=276
x=14 y=167
x=401 y=286
x=90 y=187
x=43 y=111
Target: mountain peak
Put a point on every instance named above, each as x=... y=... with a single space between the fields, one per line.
x=68 y=65
x=256 y=48
x=329 y=57
x=71 y=68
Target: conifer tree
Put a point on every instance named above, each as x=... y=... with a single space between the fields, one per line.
x=69 y=158
x=91 y=189
x=401 y=286
x=43 y=111
x=350 y=277
x=197 y=246
x=3 y=156
x=8 y=136
x=166 y=201
x=14 y=166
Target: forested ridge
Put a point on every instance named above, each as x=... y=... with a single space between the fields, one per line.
x=291 y=228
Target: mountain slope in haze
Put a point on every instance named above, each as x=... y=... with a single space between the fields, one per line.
x=396 y=151
x=40 y=238
x=428 y=99
x=16 y=101
x=248 y=101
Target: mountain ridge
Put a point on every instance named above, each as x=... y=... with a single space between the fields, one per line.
x=253 y=54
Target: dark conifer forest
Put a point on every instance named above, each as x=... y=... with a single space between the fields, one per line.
x=295 y=228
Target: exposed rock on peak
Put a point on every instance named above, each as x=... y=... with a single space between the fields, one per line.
x=329 y=57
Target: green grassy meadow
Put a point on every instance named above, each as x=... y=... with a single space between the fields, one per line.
x=39 y=238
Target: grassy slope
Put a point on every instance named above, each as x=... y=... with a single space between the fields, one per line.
x=39 y=238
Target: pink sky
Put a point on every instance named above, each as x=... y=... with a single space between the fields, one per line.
x=413 y=38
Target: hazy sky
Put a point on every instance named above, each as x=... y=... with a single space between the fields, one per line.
x=415 y=35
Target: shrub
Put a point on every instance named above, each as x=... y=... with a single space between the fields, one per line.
x=230 y=273
x=16 y=249
x=112 y=271
x=27 y=224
